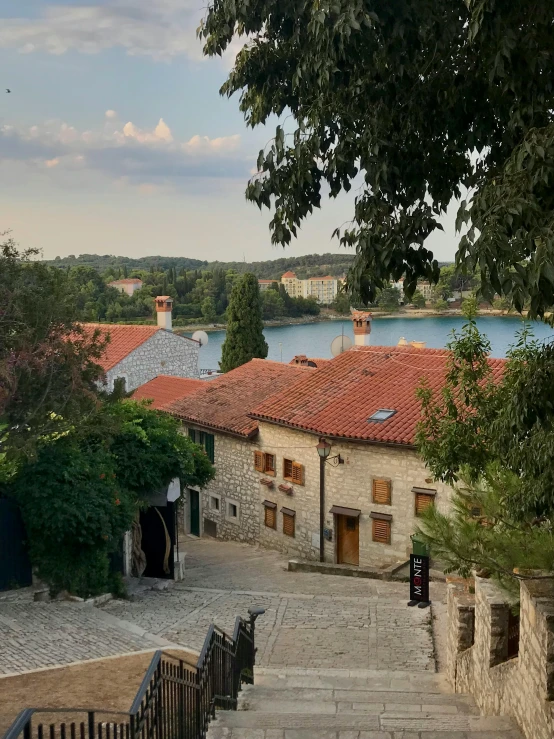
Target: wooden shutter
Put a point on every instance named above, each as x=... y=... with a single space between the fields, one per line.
x=288 y=524
x=381 y=531
x=269 y=464
x=297 y=473
x=209 y=445
x=423 y=501
x=270 y=517
x=259 y=461
x=192 y=435
x=287 y=469
x=382 y=492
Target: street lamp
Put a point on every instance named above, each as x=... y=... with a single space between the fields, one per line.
x=324 y=450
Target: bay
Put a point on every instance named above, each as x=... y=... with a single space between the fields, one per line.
x=314 y=339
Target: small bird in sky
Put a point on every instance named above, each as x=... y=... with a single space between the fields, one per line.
x=7 y=90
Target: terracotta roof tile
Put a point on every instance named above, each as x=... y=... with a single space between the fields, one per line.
x=224 y=403
x=338 y=398
x=126 y=281
x=289 y=274
x=327 y=277
x=165 y=389
x=123 y=340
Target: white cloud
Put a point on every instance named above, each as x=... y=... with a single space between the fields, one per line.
x=162 y=132
x=148 y=157
x=111 y=114
x=161 y=29
x=203 y=144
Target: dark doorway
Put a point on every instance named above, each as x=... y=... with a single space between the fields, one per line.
x=348 y=540
x=194 y=512
x=158 y=540
x=15 y=566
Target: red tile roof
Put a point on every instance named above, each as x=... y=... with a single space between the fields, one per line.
x=337 y=399
x=268 y=281
x=224 y=403
x=303 y=360
x=327 y=277
x=165 y=389
x=289 y=274
x=123 y=339
x=126 y=281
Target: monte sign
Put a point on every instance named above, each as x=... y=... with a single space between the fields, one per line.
x=419 y=580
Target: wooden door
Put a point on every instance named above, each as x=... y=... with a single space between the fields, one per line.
x=348 y=540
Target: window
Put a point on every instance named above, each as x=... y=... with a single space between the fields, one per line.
x=120 y=385
x=382 y=492
x=288 y=521
x=204 y=439
x=264 y=462
x=232 y=510
x=293 y=472
x=381 y=531
x=383 y=414
x=475 y=511
x=270 y=514
x=215 y=502
x=423 y=499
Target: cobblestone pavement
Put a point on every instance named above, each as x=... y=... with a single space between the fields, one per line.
x=34 y=635
x=311 y=620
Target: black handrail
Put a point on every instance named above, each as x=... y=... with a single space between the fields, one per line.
x=174 y=701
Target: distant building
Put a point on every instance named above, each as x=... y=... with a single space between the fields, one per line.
x=426 y=289
x=266 y=284
x=129 y=286
x=293 y=285
x=323 y=289
x=399 y=285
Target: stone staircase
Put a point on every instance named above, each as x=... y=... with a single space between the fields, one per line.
x=294 y=703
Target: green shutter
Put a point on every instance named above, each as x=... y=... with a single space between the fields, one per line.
x=192 y=435
x=210 y=446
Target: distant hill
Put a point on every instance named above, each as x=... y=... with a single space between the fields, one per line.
x=311 y=265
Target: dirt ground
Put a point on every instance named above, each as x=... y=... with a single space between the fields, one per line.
x=109 y=684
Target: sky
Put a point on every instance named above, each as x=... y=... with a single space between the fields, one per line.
x=114 y=138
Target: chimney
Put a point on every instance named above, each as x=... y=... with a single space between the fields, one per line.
x=164 y=304
x=362 y=327
x=418 y=344
x=402 y=341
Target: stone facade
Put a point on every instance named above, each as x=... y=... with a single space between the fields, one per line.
x=234 y=483
x=164 y=353
x=477 y=653
x=348 y=485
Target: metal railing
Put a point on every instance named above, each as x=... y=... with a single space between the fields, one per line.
x=174 y=701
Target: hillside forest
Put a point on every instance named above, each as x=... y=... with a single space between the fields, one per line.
x=201 y=291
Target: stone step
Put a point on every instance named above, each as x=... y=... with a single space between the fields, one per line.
x=388 y=726
x=377 y=700
x=320 y=707
x=365 y=680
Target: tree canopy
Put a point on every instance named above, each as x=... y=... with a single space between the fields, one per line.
x=48 y=369
x=492 y=440
x=419 y=101
x=245 y=338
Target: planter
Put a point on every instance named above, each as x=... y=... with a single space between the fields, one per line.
x=268 y=483
x=287 y=489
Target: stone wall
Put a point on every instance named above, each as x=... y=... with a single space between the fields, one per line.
x=348 y=485
x=234 y=483
x=164 y=353
x=522 y=687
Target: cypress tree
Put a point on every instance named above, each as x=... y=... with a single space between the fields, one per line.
x=245 y=339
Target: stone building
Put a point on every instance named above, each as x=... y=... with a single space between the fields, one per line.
x=137 y=354
x=217 y=417
x=263 y=427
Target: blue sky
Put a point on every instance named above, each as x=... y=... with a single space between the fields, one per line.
x=115 y=140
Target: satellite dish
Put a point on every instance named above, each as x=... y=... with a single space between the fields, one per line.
x=201 y=337
x=340 y=344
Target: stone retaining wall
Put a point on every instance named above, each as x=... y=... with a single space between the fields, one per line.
x=477 y=649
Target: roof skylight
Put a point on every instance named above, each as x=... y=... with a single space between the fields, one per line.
x=383 y=414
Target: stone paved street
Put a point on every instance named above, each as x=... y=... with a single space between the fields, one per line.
x=311 y=620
